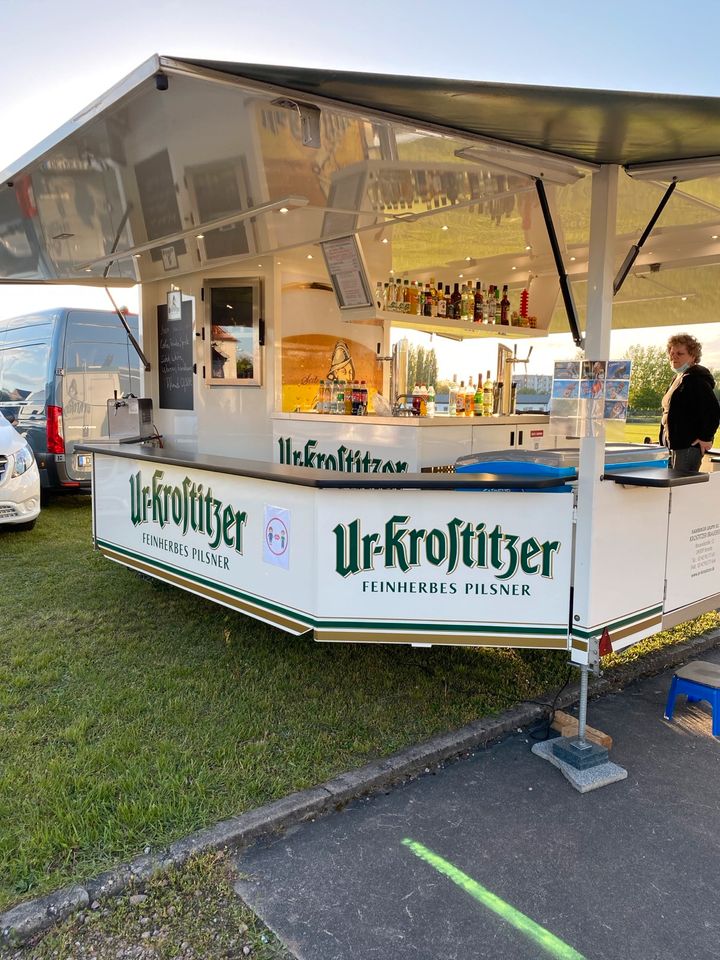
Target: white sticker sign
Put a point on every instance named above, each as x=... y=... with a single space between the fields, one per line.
x=276 y=537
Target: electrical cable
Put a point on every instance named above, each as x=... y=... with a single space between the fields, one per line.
x=547 y=722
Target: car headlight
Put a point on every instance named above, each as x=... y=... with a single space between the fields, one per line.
x=23 y=461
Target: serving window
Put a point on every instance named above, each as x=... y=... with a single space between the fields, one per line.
x=234 y=321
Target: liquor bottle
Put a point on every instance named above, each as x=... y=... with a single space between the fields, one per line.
x=423 y=400
x=431 y=401
x=320 y=405
x=348 y=399
x=478 y=398
x=379 y=295
x=327 y=397
x=442 y=304
x=392 y=294
x=460 y=402
x=491 y=302
x=505 y=307
x=470 y=399
x=456 y=302
x=427 y=301
x=406 y=297
x=478 y=304
x=416 y=400
x=465 y=312
x=340 y=398
x=355 y=397
x=363 y=398
x=488 y=396
x=452 y=398
x=414 y=298
x=433 y=298
x=386 y=297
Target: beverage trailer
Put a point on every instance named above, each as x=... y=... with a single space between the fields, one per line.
x=286 y=225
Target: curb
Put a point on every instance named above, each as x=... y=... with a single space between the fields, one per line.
x=28 y=919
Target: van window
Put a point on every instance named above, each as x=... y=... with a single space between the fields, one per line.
x=94 y=346
x=24 y=371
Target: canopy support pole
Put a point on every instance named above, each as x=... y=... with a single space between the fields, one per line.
x=635 y=249
x=578 y=752
x=565 y=287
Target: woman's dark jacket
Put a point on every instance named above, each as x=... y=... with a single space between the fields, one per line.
x=694 y=412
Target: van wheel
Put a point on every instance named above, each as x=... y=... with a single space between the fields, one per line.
x=25 y=526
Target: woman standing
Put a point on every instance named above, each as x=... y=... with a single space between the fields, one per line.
x=691 y=413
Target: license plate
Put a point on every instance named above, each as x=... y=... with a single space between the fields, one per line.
x=84 y=459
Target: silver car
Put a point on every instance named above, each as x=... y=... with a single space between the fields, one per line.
x=19 y=480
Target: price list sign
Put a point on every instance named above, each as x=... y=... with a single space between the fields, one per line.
x=347 y=272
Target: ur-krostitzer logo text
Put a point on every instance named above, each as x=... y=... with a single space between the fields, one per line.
x=189 y=506
x=463 y=543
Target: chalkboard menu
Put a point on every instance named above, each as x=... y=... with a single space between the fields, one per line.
x=158 y=200
x=175 y=358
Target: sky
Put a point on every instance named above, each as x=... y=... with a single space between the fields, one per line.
x=55 y=58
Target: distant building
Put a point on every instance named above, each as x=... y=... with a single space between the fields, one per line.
x=532 y=392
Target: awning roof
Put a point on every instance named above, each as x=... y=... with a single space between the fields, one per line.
x=165 y=176
x=594 y=126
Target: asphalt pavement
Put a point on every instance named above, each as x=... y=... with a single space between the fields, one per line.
x=497 y=856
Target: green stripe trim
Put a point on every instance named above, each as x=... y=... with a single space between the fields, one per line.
x=558 y=632
x=616 y=624
x=216 y=585
x=543 y=938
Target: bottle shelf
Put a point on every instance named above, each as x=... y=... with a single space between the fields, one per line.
x=462 y=329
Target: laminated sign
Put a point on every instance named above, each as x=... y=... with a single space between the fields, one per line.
x=276 y=538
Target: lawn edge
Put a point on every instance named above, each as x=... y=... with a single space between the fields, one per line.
x=27 y=920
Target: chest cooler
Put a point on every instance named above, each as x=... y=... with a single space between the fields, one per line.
x=561 y=463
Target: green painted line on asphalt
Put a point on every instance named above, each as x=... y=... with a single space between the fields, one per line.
x=542 y=937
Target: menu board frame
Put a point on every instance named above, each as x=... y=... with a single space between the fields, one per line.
x=348 y=273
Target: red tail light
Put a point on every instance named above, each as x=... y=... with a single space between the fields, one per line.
x=55 y=439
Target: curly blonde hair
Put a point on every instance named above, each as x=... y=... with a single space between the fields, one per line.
x=693 y=346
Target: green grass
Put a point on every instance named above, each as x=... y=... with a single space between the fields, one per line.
x=192 y=912
x=132 y=713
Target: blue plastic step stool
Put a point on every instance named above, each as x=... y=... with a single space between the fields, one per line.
x=699 y=680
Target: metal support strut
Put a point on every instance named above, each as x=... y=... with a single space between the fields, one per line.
x=634 y=250
x=565 y=287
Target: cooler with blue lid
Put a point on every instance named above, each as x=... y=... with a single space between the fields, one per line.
x=561 y=463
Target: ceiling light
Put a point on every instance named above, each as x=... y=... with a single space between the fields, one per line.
x=513 y=268
x=200 y=236
x=683 y=298
x=528 y=247
x=714 y=236
x=573 y=258
x=284 y=210
x=468 y=259
x=460 y=275
x=444 y=227
x=309 y=256
x=385 y=240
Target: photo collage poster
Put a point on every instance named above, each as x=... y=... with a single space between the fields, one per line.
x=589 y=392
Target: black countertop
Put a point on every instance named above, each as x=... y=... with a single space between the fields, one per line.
x=658 y=477
x=320 y=479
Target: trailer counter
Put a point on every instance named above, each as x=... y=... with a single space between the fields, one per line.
x=426 y=558
x=378 y=558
